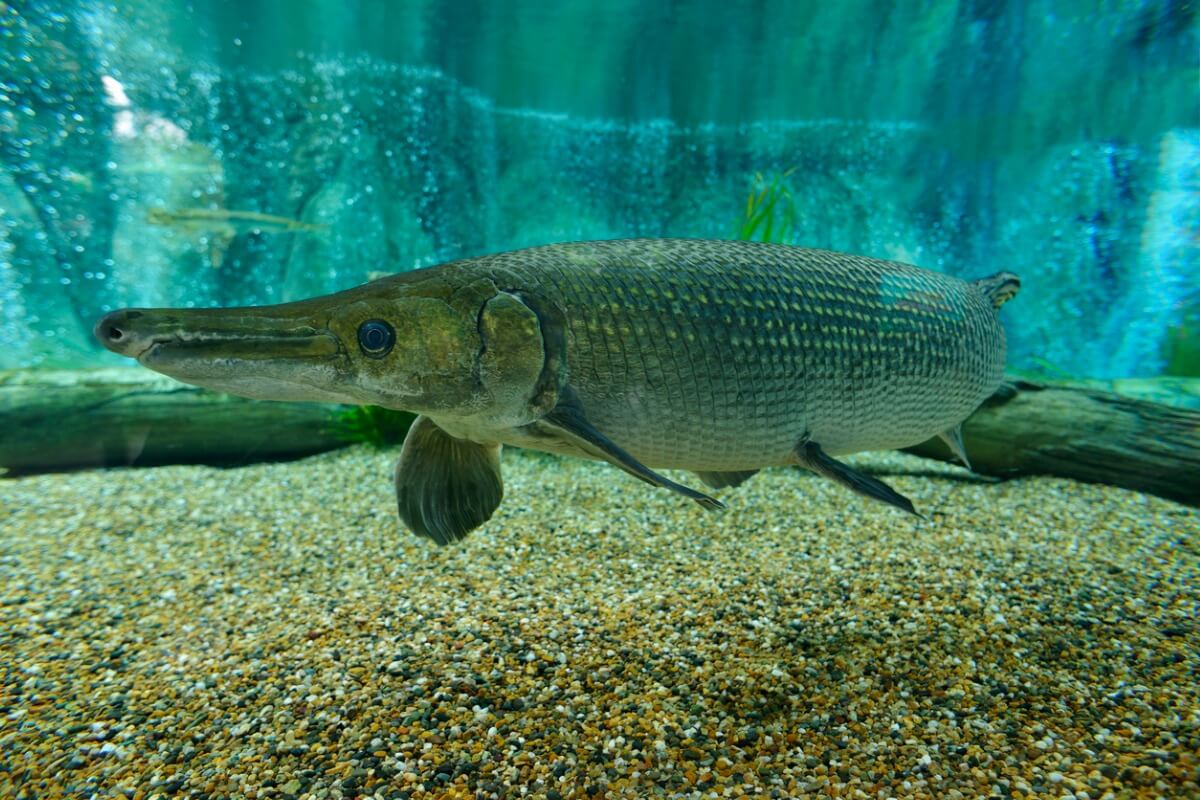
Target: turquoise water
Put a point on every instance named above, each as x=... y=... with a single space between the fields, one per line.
x=234 y=619
x=1060 y=141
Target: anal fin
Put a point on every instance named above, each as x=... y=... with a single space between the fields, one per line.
x=568 y=419
x=446 y=487
x=720 y=480
x=953 y=439
x=811 y=456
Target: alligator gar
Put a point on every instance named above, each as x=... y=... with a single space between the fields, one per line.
x=718 y=357
x=228 y=221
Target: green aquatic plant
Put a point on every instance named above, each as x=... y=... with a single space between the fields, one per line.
x=1183 y=346
x=373 y=425
x=1039 y=368
x=769 y=215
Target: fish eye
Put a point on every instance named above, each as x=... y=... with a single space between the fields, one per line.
x=376 y=338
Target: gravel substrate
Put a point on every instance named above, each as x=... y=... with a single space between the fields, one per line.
x=271 y=632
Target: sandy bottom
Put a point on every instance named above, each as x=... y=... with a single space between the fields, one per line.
x=271 y=631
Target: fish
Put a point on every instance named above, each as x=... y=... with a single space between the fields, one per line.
x=228 y=222
x=721 y=358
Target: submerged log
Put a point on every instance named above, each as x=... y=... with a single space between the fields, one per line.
x=68 y=419
x=1085 y=434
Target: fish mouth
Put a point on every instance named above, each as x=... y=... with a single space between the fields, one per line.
x=305 y=346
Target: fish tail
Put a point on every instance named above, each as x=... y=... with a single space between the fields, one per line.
x=999 y=288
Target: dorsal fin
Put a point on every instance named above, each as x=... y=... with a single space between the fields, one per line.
x=999 y=288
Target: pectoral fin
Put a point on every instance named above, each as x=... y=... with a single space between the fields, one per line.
x=811 y=456
x=446 y=487
x=720 y=480
x=953 y=439
x=568 y=420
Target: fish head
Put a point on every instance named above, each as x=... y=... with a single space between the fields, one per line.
x=377 y=345
x=159 y=216
x=408 y=351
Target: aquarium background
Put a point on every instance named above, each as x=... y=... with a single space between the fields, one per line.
x=1058 y=140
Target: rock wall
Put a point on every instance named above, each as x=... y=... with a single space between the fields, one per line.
x=1047 y=139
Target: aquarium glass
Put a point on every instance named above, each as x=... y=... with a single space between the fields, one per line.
x=141 y=140
x=538 y=400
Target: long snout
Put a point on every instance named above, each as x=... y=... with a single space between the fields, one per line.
x=252 y=333
x=268 y=352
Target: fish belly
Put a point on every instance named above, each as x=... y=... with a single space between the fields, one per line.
x=762 y=431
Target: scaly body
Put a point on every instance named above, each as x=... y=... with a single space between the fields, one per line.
x=711 y=356
x=720 y=355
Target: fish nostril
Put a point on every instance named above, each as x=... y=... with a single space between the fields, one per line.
x=115 y=332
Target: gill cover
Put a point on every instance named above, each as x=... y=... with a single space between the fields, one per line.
x=522 y=364
x=513 y=350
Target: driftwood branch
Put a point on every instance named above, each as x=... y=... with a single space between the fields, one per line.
x=1085 y=434
x=68 y=419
